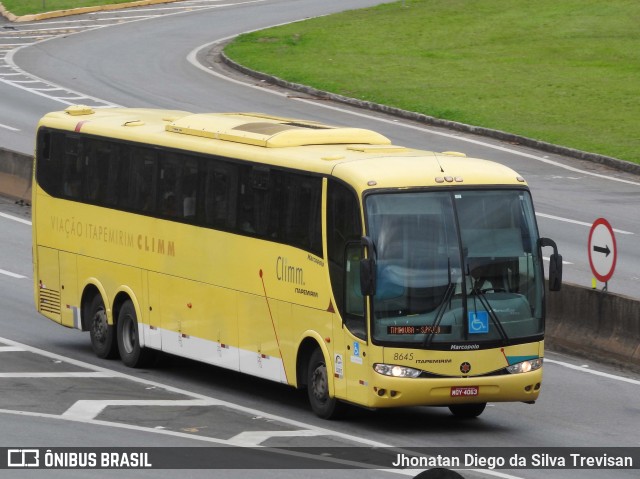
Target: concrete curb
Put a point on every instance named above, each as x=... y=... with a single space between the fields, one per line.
x=430 y=120
x=77 y=11
x=15 y=175
x=595 y=324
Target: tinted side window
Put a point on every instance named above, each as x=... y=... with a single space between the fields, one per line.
x=140 y=194
x=97 y=157
x=49 y=158
x=254 y=200
x=178 y=185
x=72 y=166
x=295 y=210
x=220 y=194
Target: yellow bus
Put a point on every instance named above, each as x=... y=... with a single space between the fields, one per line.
x=317 y=256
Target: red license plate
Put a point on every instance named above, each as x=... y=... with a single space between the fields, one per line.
x=464 y=391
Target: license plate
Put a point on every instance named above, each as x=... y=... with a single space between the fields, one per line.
x=464 y=391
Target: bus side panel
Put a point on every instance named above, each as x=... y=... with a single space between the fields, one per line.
x=49 y=283
x=259 y=352
x=217 y=324
x=357 y=370
x=70 y=299
x=286 y=325
x=149 y=332
x=194 y=320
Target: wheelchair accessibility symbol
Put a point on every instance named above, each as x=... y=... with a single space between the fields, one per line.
x=478 y=322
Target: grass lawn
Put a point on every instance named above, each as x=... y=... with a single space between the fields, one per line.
x=25 y=7
x=566 y=72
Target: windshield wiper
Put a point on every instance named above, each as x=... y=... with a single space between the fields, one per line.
x=451 y=287
x=476 y=291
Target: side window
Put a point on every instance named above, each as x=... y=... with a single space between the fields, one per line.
x=344 y=225
x=295 y=210
x=49 y=157
x=251 y=191
x=264 y=202
x=118 y=177
x=220 y=194
x=354 y=301
x=97 y=158
x=178 y=186
x=141 y=185
x=72 y=168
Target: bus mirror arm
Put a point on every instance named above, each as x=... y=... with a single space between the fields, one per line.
x=368 y=268
x=555 y=264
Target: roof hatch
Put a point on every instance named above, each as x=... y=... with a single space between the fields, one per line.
x=269 y=131
x=77 y=110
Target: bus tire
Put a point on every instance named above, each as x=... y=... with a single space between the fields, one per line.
x=103 y=335
x=467 y=410
x=131 y=353
x=318 y=388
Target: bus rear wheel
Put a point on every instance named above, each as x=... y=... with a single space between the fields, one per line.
x=103 y=336
x=467 y=410
x=131 y=353
x=318 y=388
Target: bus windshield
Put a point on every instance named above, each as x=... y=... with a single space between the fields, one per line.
x=457 y=266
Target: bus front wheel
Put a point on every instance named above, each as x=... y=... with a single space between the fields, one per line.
x=318 y=388
x=103 y=337
x=467 y=410
x=131 y=353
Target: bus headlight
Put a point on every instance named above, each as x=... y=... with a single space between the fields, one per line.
x=525 y=366
x=396 y=371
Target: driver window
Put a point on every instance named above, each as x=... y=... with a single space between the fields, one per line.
x=344 y=225
x=354 y=310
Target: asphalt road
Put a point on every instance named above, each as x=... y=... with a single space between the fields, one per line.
x=146 y=62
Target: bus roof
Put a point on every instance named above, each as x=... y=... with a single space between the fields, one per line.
x=363 y=158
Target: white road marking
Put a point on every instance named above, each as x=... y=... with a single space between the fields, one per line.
x=583 y=223
x=7 y=127
x=89 y=409
x=13 y=275
x=85 y=374
x=546 y=258
x=10 y=349
x=86 y=411
x=15 y=218
x=80 y=97
x=251 y=411
x=592 y=371
x=212 y=440
x=256 y=438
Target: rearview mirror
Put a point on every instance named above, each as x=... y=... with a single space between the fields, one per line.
x=555 y=265
x=368 y=268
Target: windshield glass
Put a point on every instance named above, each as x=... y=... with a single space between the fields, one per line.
x=455 y=266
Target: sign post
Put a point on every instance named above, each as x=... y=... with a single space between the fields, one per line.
x=603 y=252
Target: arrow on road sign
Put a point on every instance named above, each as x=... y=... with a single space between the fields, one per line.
x=600 y=249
